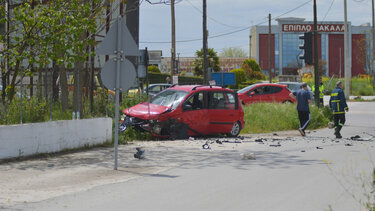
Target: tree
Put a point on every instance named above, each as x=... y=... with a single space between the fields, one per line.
x=213 y=61
x=233 y=52
x=252 y=69
x=240 y=76
x=47 y=35
x=153 y=69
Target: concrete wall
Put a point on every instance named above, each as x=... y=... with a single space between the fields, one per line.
x=54 y=136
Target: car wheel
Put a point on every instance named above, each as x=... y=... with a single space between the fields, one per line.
x=236 y=129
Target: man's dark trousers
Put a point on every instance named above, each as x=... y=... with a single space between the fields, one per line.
x=304 y=119
x=339 y=120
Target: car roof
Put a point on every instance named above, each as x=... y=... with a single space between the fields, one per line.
x=190 y=88
x=270 y=84
x=289 y=82
x=160 y=84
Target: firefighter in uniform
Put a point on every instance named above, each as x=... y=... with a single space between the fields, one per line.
x=337 y=103
x=321 y=91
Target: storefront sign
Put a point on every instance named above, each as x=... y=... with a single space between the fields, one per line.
x=310 y=27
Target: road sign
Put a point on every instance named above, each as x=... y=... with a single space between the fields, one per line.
x=224 y=78
x=127 y=74
x=127 y=44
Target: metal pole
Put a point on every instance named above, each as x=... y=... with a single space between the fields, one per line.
x=346 y=53
x=173 y=50
x=316 y=59
x=373 y=43
x=269 y=49
x=21 y=95
x=118 y=60
x=250 y=46
x=340 y=64
x=51 y=97
x=205 y=62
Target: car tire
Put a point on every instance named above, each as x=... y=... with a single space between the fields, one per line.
x=236 y=129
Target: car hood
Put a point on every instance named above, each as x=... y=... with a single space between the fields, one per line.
x=145 y=111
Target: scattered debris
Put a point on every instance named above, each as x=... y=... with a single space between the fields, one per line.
x=319 y=147
x=359 y=138
x=140 y=154
x=355 y=137
x=303 y=151
x=348 y=145
x=275 y=145
x=275 y=134
x=260 y=140
x=219 y=142
x=248 y=156
x=206 y=146
x=330 y=125
x=191 y=138
x=51 y=165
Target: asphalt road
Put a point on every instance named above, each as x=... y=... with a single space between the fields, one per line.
x=316 y=172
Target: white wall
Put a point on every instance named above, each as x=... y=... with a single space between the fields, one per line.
x=54 y=136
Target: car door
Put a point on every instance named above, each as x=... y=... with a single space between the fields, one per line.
x=194 y=114
x=255 y=95
x=222 y=107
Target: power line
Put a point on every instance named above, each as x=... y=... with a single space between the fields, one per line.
x=329 y=8
x=228 y=33
x=214 y=20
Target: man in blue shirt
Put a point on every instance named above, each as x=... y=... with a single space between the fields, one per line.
x=303 y=99
x=337 y=103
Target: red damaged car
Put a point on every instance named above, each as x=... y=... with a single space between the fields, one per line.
x=190 y=110
x=265 y=92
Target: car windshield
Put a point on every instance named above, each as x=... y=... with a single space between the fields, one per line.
x=169 y=98
x=246 y=89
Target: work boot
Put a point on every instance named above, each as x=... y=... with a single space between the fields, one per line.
x=337 y=132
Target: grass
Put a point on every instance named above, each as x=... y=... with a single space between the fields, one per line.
x=269 y=117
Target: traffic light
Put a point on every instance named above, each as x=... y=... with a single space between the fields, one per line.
x=306 y=47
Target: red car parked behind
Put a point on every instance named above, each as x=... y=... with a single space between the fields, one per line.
x=265 y=92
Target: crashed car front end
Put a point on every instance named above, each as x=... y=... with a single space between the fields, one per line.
x=162 y=129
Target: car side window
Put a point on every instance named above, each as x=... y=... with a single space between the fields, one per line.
x=194 y=102
x=258 y=90
x=221 y=100
x=267 y=90
x=276 y=89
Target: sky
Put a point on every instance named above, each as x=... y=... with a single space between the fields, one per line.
x=229 y=21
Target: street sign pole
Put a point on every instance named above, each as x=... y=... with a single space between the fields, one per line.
x=118 y=73
x=118 y=60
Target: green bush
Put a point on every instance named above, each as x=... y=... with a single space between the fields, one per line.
x=240 y=76
x=32 y=111
x=153 y=68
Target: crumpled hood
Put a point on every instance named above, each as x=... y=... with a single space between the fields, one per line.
x=145 y=110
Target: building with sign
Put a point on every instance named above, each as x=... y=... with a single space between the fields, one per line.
x=285 y=44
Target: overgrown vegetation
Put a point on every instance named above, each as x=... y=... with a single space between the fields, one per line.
x=268 y=117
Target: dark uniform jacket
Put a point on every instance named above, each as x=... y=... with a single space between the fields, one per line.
x=337 y=102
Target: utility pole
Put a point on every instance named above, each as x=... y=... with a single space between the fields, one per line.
x=373 y=45
x=269 y=49
x=316 y=59
x=346 y=53
x=205 y=62
x=173 y=50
